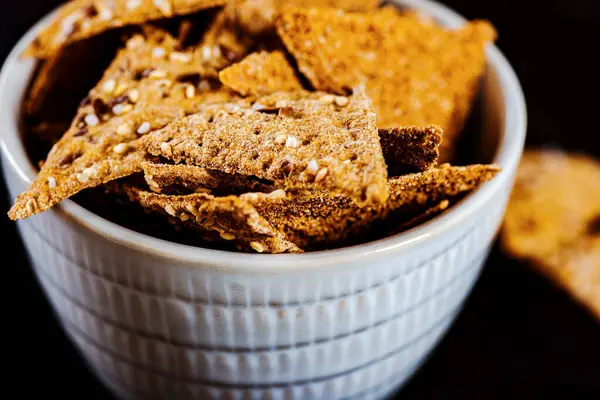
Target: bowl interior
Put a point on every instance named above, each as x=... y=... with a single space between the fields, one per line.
x=500 y=121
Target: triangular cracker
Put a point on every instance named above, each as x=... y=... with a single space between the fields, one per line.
x=417 y=72
x=314 y=218
x=553 y=220
x=410 y=149
x=81 y=19
x=233 y=217
x=261 y=73
x=297 y=140
x=143 y=89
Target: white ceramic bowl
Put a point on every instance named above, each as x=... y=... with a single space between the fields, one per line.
x=155 y=319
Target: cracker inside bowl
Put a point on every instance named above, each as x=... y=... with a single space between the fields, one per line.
x=305 y=118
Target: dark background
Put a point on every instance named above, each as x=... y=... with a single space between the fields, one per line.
x=518 y=336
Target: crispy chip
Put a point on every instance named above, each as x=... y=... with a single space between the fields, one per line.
x=553 y=220
x=187 y=179
x=297 y=140
x=139 y=92
x=233 y=217
x=261 y=73
x=83 y=19
x=416 y=72
x=257 y=16
x=410 y=149
x=314 y=219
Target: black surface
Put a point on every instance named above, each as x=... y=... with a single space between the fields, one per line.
x=518 y=337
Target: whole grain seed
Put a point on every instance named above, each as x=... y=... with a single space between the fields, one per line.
x=259 y=248
x=121 y=148
x=291 y=142
x=166 y=149
x=91 y=120
x=181 y=57
x=227 y=236
x=144 y=128
x=31 y=206
x=170 y=210
x=159 y=52
x=312 y=167
x=134 y=95
x=321 y=174
x=109 y=86
x=341 y=101
x=190 y=92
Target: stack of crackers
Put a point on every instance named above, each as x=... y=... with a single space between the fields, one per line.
x=273 y=125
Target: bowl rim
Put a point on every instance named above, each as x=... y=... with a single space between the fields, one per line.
x=510 y=148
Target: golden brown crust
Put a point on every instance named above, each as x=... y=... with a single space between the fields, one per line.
x=297 y=140
x=416 y=72
x=410 y=149
x=552 y=220
x=82 y=19
x=233 y=217
x=316 y=219
x=139 y=92
x=261 y=73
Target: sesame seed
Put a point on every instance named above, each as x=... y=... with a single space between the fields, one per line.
x=105 y=14
x=277 y=194
x=135 y=42
x=216 y=51
x=190 y=92
x=133 y=4
x=121 y=148
x=166 y=149
x=206 y=53
x=158 y=52
x=109 y=86
x=291 y=142
x=134 y=95
x=120 y=89
x=341 y=101
x=180 y=57
x=258 y=106
x=164 y=83
x=144 y=128
x=184 y=217
x=164 y=6
x=31 y=206
x=51 y=182
x=280 y=139
x=313 y=166
x=257 y=247
x=91 y=120
x=170 y=210
x=227 y=236
x=327 y=99
x=121 y=109
x=321 y=174
x=158 y=74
